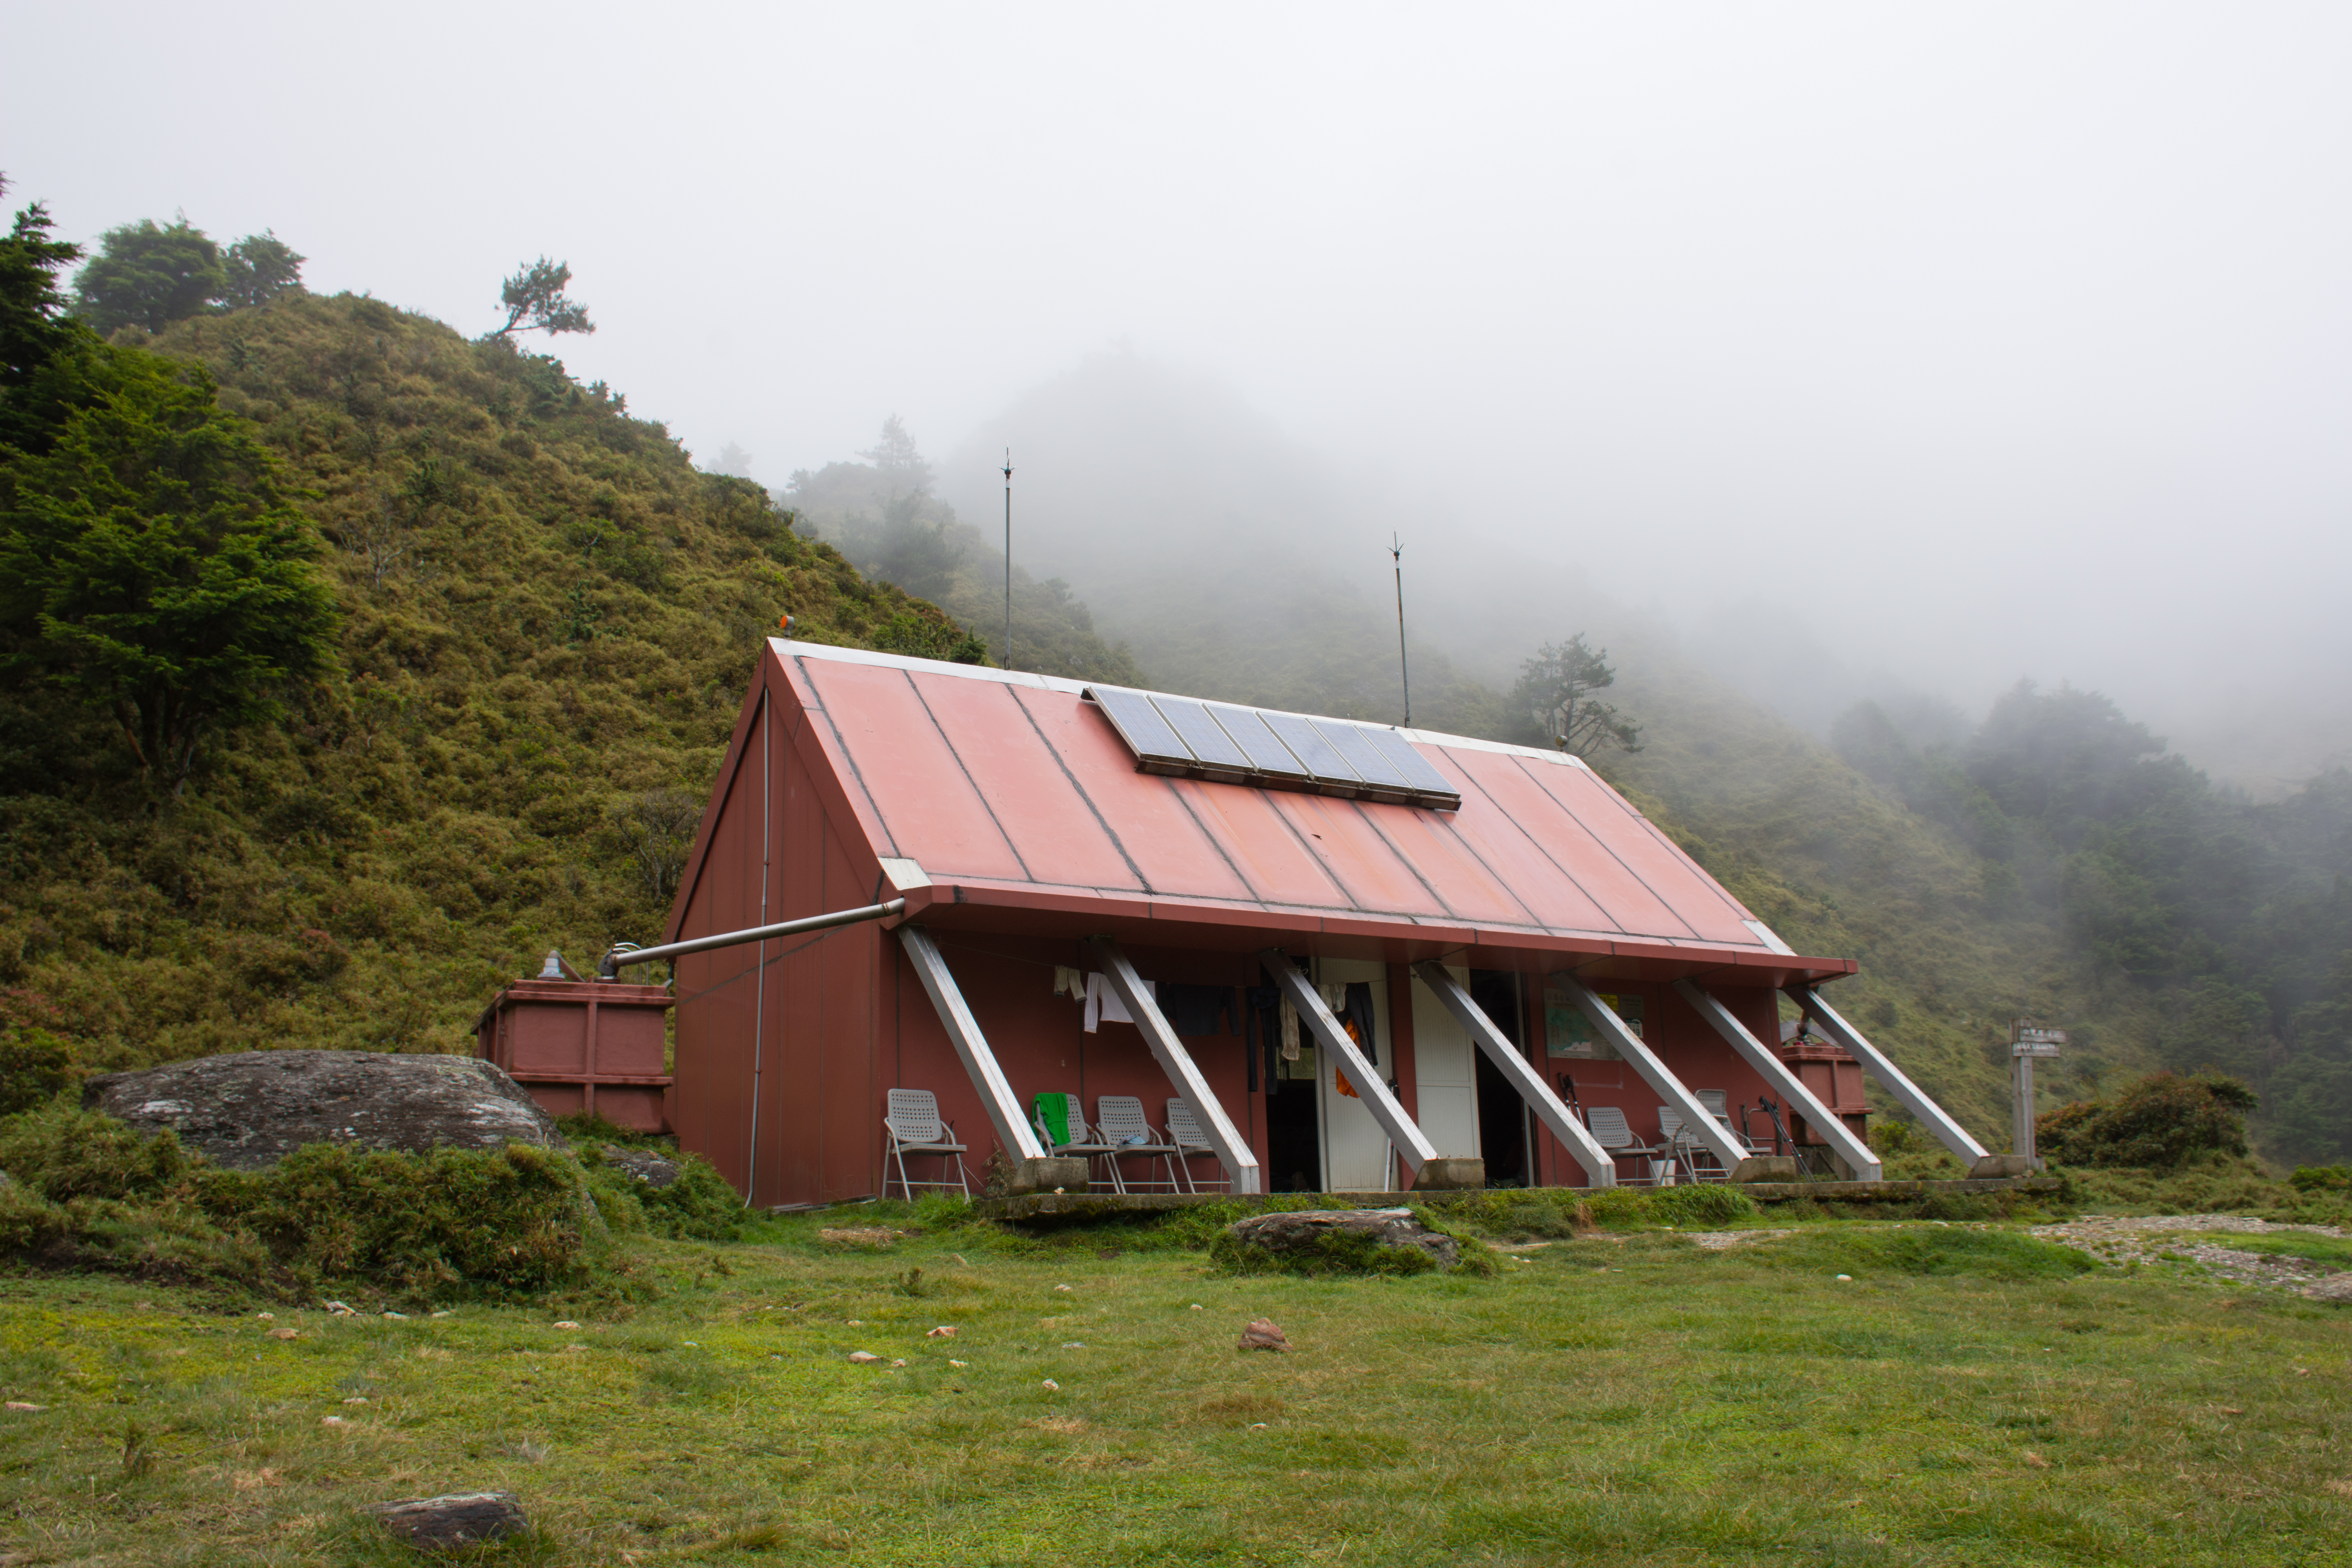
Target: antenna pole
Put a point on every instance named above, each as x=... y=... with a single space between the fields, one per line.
x=1008 y=558
x=1396 y=554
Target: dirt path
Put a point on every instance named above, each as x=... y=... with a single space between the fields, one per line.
x=2145 y=1238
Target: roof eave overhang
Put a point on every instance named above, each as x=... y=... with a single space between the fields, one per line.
x=1208 y=925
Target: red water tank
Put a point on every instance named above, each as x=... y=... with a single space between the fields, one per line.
x=583 y=1046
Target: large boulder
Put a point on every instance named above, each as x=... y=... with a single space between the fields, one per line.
x=1348 y=1239
x=243 y=1111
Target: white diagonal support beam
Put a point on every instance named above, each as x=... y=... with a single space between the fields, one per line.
x=1012 y=1128
x=1857 y=1155
x=1910 y=1095
x=1703 y=1127
x=1598 y=1162
x=1405 y=1136
x=1234 y=1151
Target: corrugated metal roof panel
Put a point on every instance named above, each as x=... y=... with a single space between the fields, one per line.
x=1020 y=790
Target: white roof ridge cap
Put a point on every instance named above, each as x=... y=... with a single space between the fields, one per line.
x=789 y=647
x=1472 y=743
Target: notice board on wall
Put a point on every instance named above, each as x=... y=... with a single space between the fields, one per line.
x=1568 y=1034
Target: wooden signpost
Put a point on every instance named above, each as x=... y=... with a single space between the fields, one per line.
x=2028 y=1041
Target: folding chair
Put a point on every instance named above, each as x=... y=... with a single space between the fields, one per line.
x=1084 y=1141
x=1185 y=1131
x=1612 y=1132
x=913 y=1127
x=1685 y=1148
x=1717 y=1104
x=1119 y=1118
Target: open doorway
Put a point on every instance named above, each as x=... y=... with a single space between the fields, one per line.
x=1502 y=1114
x=1293 y=1134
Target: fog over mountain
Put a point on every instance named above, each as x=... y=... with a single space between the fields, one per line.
x=1847 y=349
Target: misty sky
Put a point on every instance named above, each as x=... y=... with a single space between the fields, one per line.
x=1969 y=341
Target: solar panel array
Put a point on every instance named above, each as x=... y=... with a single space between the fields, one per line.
x=1187 y=738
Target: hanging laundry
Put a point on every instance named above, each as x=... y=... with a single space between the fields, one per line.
x=1355 y=1010
x=1069 y=982
x=1340 y=1081
x=1196 y=1010
x=1054 y=1116
x=1335 y=996
x=1289 y=1031
x=1103 y=1004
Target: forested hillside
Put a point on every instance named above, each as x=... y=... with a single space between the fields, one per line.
x=512 y=625
x=543 y=621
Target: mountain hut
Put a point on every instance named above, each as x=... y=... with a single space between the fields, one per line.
x=1323 y=954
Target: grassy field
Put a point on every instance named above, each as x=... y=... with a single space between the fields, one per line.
x=1967 y=1396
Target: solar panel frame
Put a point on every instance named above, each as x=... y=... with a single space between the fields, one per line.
x=1324 y=761
x=1419 y=771
x=1184 y=737
x=1269 y=756
x=1382 y=779
x=1221 y=759
x=1157 y=748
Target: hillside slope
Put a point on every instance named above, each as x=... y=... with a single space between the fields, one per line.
x=549 y=617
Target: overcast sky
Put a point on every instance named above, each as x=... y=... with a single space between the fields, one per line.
x=1982 y=340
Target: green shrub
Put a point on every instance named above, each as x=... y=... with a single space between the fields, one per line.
x=62 y=1152
x=35 y=1068
x=2322 y=1179
x=1891 y=1136
x=698 y=1207
x=499 y=1222
x=90 y=1192
x=2159 y=1122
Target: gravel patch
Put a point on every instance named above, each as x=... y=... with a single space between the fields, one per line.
x=2148 y=1238
x=1717 y=1240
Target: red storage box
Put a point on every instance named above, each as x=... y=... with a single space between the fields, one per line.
x=584 y=1045
x=1834 y=1078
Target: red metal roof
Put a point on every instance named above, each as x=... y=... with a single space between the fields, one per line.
x=1024 y=810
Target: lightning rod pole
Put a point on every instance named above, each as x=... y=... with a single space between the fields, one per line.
x=1008 y=558
x=1396 y=553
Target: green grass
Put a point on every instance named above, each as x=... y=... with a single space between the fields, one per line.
x=1969 y=1396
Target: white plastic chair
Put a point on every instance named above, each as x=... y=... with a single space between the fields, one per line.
x=1686 y=1149
x=1119 y=1118
x=913 y=1127
x=1082 y=1141
x=1613 y=1132
x=1185 y=1131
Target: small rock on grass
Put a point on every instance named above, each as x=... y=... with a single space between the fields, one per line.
x=1262 y=1335
x=863 y=1358
x=567 y=1323
x=21 y=1404
x=461 y=1518
x=944 y=1331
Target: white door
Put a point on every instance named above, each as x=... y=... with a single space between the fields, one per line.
x=1444 y=1071
x=1355 y=1151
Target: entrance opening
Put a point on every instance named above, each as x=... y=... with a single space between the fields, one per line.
x=1502 y=1114
x=1294 y=1142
